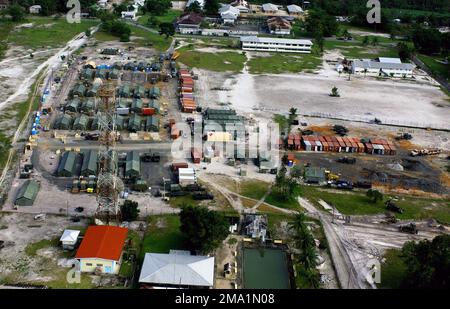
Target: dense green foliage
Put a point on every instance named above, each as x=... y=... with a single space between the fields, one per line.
x=204 y=229
x=129 y=210
x=118 y=29
x=427 y=263
x=157 y=7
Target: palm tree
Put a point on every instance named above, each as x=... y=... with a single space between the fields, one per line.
x=313 y=278
x=308 y=254
x=299 y=223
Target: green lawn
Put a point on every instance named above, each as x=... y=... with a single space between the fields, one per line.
x=254 y=189
x=356 y=203
x=435 y=66
x=392 y=271
x=6 y=29
x=32 y=248
x=284 y=63
x=162 y=235
x=48 y=32
x=150 y=39
x=291 y=203
x=219 y=62
x=104 y=36
x=169 y=17
x=355 y=49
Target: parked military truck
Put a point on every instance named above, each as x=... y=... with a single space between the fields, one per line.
x=409 y=228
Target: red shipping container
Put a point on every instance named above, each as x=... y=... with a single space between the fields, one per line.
x=176 y=166
x=148 y=111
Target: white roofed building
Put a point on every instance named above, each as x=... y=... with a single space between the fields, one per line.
x=269 y=8
x=178 y=269
x=69 y=239
x=241 y=5
x=270 y=44
x=229 y=14
x=294 y=9
x=387 y=67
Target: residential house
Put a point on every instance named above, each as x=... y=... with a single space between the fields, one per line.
x=101 y=249
x=178 y=269
x=279 y=25
x=189 y=23
x=229 y=14
x=27 y=193
x=4 y=4
x=69 y=239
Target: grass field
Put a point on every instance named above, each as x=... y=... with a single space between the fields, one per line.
x=6 y=29
x=254 y=189
x=162 y=235
x=355 y=49
x=290 y=203
x=356 y=203
x=436 y=67
x=218 y=62
x=284 y=63
x=150 y=39
x=31 y=249
x=392 y=271
x=169 y=17
x=48 y=32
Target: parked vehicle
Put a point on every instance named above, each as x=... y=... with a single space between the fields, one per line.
x=409 y=228
x=391 y=206
x=347 y=160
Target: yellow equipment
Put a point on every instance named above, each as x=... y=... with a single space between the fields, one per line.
x=175 y=55
x=330 y=176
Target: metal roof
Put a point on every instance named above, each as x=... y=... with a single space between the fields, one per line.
x=370 y=64
x=177 y=269
x=389 y=60
x=256 y=39
x=70 y=235
x=294 y=9
x=269 y=7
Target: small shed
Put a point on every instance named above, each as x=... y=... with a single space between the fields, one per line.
x=27 y=193
x=69 y=239
x=152 y=124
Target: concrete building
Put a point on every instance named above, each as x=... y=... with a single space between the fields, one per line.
x=178 y=269
x=276 y=44
x=101 y=249
x=383 y=67
x=69 y=239
x=27 y=193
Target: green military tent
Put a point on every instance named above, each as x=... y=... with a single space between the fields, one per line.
x=136 y=106
x=27 y=193
x=134 y=123
x=73 y=105
x=67 y=164
x=154 y=93
x=133 y=165
x=89 y=166
x=152 y=124
x=88 y=106
x=79 y=90
x=155 y=105
x=81 y=123
x=63 y=122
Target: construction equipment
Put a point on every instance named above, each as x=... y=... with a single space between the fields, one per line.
x=404 y=136
x=409 y=228
x=175 y=55
x=391 y=206
x=330 y=176
x=425 y=152
x=347 y=160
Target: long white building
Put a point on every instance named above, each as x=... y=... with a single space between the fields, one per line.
x=384 y=67
x=276 y=44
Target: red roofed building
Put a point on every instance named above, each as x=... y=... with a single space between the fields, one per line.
x=101 y=249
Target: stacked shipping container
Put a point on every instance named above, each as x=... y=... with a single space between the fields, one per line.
x=187 y=99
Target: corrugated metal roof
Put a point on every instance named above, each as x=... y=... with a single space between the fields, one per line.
x=177 y=269
x=256 y=39
x=370 y=64
x=104 y=242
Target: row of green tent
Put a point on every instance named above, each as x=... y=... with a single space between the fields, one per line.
x=139 y=92
x=88 y=74
x=82 y=122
